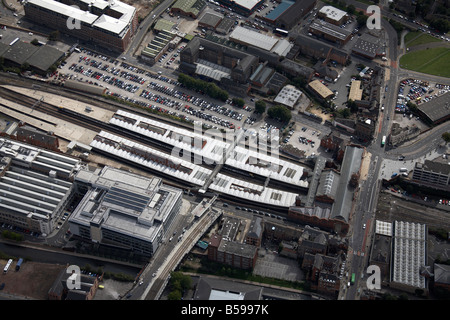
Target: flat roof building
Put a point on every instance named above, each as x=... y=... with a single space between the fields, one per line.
x=210 y=20
x=109 y=24
x=288 y=13
x=124 y=209
x=432 y=173
x=333 y=15
x=35 y=185
x=330 y=32
x=368 y=46
x=200 y=54
x=288 y=96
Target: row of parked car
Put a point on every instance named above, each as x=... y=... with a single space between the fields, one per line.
x=19 y=229
x=263 y=213
x=197 y=101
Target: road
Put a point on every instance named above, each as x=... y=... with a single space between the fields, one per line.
x=364 y=214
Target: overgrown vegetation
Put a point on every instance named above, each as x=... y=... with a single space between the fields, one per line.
x=218 y=269
x=12 y=235
x=179 y=283
x=280 y=113
x=209 y=88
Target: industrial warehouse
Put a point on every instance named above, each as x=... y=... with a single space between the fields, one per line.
x=35 y=186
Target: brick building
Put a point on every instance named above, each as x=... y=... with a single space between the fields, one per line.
x=335 y=144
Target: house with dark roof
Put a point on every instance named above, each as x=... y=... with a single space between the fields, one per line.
x=323 y=272
x=255 y=232
x=210 y=20
x=44 y=57
x=18 y=53
x=436 y=110
x=60 y=290
x=442 y=276
x=189 y=8
x=335 y=144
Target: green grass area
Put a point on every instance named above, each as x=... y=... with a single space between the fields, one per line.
x=435 y=61
x=417 y=37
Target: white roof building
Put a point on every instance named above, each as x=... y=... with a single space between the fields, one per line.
x=332 y=13
x=105 y=22
x=409 y=253
x=250 y=37
x=288 y=96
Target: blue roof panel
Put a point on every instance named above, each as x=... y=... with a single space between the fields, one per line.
x=278 y=11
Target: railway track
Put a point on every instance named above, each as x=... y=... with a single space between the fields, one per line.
x=184 y=246
x=97 y=126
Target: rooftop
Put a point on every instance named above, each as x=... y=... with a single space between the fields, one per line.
x=344 y=196
x=279 y=10
x=247 y=4
x=45 y=57
x=355 y=91
x=211 y=19
x=367 y=45
x=116 y=25
x=436 y=109
x=330 y=29
x=288 y=96
x=321 y=89
x=124 y=202
x=409 y=253
x=20 y=52
x=192 y=6
x=253 y=38
x=332 y=13
x=434 y=166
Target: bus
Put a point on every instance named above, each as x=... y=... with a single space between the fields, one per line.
x=19 y=263
x=383 y=141
x=8 y=264
x=14 y=41
x=281 y=32
x=352 y=281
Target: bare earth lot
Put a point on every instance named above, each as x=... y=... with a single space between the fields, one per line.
x=32 y=281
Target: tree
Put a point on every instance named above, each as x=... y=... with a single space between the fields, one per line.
x=412 y=107
x=362 y=20
x=25 y=66
x=351 y=9
x=180 y=281
x=446 y=136
x=280 y=112
x=239 y=102
x=174 y=295
x=53 y=36
x=260 y=106
x=442 y=25
x=35 y=42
